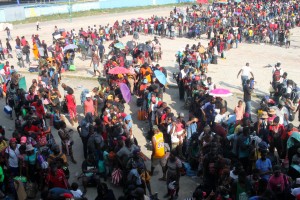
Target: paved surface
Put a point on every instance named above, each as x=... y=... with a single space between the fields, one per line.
x=223 y=74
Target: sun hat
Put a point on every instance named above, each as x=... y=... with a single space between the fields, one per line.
x=23 y=140
x=272 y=111
x=88 y=95
x=29 y=147
x=264 y=115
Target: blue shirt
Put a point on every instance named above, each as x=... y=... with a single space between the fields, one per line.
x=263 y=166
x=192 y=128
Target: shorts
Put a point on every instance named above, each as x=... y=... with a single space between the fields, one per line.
x=95 y=67
x=161 y=161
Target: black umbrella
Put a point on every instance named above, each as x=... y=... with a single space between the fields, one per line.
x=130 y=45
x=141 y=47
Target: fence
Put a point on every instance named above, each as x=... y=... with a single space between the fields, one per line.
x=22 y=12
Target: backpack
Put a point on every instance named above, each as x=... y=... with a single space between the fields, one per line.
x=291 y=115
x=276 y=75
x=83 y=95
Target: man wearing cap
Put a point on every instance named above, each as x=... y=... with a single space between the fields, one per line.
x=158 y=150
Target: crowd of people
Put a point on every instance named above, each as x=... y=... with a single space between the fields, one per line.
x=235 y=156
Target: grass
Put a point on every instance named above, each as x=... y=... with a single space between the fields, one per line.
x=93 y=13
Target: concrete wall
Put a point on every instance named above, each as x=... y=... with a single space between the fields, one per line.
x=20 y=13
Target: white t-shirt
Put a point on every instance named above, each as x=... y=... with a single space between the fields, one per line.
x=76 y=193
x=280 y=114
x=246 y=71
x=295 y=191
x=13 y=160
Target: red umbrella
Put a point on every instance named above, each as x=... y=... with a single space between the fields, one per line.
x=202 y=1
x=118 y=70
x=140 y=18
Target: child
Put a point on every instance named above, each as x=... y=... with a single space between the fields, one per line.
x=75 y=191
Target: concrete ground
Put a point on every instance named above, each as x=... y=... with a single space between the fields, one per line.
x=223 y=74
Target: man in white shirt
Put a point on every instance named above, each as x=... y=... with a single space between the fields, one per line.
x=246 y=72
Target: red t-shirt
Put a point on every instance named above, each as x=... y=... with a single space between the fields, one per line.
x=40 y=112
x=32 y=128
x=58 y=180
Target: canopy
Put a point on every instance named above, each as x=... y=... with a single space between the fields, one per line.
x=220 y=92
x=118 y=70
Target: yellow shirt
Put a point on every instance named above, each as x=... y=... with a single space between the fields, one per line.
x=3 y=145
x=250 y=32
x=159 y=145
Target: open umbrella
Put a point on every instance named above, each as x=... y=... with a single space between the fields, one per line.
x=118 y=70
x=140 y=18
x=220 y=92
x=119 y=45
x=125 y=92
x=141 y=46
x=130 y=45
x=70 y=46
x=160 y=77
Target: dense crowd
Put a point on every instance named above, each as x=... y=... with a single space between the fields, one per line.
x=235 y=156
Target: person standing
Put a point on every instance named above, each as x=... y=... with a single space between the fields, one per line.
x=101 y=51
x=38 y=25
x=9 y=49
x=181 y=78
x=66 y=140
x=246 y=72
x=247 y=97
x=83 y=130
x=173 y=174
x=71 y=105
x=19 y=54
x=26 y=51
x=158 y=149
x=2 y=57
x=96 y=61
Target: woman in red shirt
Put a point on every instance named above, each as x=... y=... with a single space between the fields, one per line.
x=71 y=104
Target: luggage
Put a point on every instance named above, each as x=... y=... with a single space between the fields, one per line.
x=72 y=68
x=141 y=115
x=8 y=110
x=19 y=187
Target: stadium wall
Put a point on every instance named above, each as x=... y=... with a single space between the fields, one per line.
x=22 y=12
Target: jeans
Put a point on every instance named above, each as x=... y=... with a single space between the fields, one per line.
x=244 y=79
x=27 y=58
x=248 y=108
